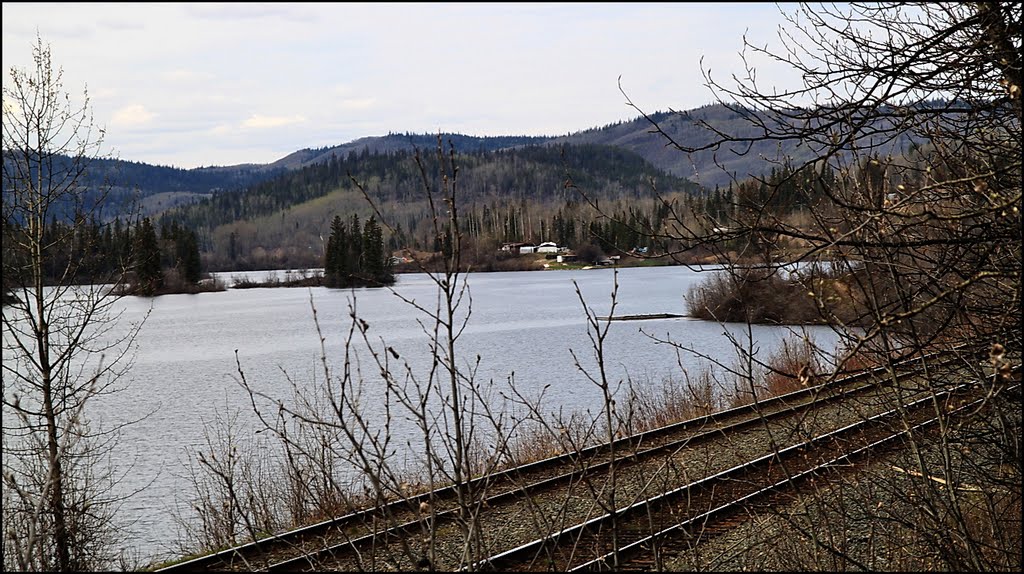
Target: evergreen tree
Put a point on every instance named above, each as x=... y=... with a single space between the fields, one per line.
x=356 y=257
x=233 y=246
x=376 y=261
x=149 y=276
x=353 y=262
x=122 y=247
x=187 y=247
x=337 y=247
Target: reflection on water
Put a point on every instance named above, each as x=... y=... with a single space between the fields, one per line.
x=521 y=323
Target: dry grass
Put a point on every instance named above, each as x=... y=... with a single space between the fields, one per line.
x=795 y=365
x=766 y=296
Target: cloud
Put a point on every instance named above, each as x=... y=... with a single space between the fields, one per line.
x=133 y=115
x=235 y=12
x=312 y=74
x=183 y=75
x=257 y=121
x=358 y=103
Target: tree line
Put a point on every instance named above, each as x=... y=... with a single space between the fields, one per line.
x=88 y=252
x=527 y=194
x=507 y=196
x=536 y=172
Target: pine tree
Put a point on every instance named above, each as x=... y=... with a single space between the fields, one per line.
x=149 y=276
x=353 y=262
x=356 y=256
x=376 y=261
x=337 y=247
x=188 y=261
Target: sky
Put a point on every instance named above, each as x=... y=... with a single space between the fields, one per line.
x=201 y=84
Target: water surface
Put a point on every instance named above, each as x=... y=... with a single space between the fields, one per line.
x=525 y=324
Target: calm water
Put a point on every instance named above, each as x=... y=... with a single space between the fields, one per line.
x=524 y=323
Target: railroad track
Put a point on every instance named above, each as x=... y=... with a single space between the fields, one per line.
x=639 y=536
x=344 y=539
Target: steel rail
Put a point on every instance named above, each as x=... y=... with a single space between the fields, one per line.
x=546 y=546
x=310 y=559
x=701 y=521
x=331 y=552
x=243 y=554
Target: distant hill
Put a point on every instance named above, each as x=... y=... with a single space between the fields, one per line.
x=508 y=194
x=404 y=142
x=712 y=167
x=636 y=136
x=160 y=188
x=707 y=168
x=156 y=188
x=639 y=137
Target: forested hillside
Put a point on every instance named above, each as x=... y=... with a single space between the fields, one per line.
x=741 y=160
x=744 y=155
x=162 y=179
x=512 y=188
x=408 y=142
x=161 y=188
x=125 y=186
x=509 y=195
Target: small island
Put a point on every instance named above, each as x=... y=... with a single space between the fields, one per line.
x=355 y=257
x=642 y=317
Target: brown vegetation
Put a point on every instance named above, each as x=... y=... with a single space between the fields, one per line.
x=774 y=296
x=173 y=284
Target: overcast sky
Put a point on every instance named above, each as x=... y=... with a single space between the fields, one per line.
x=189 y=85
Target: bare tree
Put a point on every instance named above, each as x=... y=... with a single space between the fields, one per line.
x=343 y=440
x=61 y=342
x=903 y=142
x=916 y=112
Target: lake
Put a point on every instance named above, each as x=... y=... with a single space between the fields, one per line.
x=526 y=323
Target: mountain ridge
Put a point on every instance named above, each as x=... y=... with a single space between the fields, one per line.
x=160 y=188
x=708 y=168
x=635 y=135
